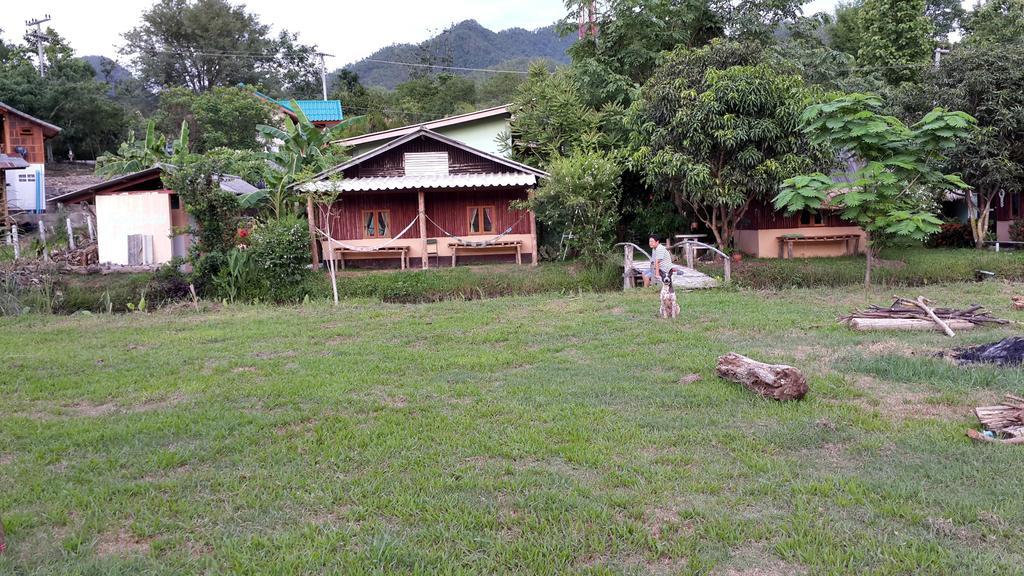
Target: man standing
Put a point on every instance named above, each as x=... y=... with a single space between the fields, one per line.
x=661 y=260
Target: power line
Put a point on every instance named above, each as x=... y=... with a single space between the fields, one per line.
x=446 y=67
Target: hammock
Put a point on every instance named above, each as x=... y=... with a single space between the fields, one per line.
x=332 y=242
x=476 y=243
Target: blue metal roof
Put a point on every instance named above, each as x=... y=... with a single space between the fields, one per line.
x=317 y=110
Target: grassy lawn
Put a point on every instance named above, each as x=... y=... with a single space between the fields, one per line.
x=541 y=434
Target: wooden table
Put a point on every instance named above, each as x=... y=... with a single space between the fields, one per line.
x=506 y=247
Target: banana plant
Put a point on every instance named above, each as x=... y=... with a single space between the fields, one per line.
x=134 y=156
x=300 y=150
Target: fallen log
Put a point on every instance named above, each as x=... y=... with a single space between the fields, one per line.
x=909 y=324
x=776 y=381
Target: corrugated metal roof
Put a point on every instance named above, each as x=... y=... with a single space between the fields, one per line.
x=12 y=162
x=317 y=110
x=489 y=180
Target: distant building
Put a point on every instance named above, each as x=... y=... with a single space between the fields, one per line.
x=483 y=130
x=24 y=136
x=321 y=113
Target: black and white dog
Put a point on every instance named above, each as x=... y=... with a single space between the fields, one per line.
x=669 y=306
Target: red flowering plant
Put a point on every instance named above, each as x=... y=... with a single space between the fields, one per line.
x=242 y=238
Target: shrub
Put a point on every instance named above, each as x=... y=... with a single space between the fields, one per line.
x=279 y=253
x=952 y=235
x=1017 y=231
x=168 y=284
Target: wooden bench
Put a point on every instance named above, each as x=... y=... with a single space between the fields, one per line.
x=851 y=243
x=505 y=247
x=401 y=252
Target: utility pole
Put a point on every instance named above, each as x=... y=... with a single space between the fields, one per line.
x=323 y=71
x=40 y=38
x=938 y=56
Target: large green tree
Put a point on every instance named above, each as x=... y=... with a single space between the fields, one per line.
x=200 y=44
x=986 y=80
x=717 y=128
x=224 y=117
x=893 y=183
x=895 y=39
x=995 y=22
x=67 y=96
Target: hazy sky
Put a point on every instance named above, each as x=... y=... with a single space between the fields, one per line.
x=348 y=29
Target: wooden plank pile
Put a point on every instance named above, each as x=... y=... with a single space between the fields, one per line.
x=1005 y=421
x=905 y=314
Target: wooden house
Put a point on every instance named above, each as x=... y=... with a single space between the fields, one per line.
x=426 y=199
x=138 y=219
x=24 y=136
x=765 y=232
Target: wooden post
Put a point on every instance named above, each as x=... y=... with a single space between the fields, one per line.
x=727 y=264
x=689 y=254
x=92 y=232
x=310 y=212
x=627 y=268
x=42 y=238
x=71 y=233
x=17 y=241
x=533 y=232
x=422 y=203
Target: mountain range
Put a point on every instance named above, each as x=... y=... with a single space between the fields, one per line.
x=468 y=45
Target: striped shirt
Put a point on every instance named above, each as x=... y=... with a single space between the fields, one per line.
x=663 y=257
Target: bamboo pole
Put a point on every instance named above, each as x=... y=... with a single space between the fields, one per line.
x=17 y=241
x=921 y=303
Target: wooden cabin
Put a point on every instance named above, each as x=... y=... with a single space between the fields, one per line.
x=24 y=136
x=429 y=200
x=138 y=218
x=765 y=232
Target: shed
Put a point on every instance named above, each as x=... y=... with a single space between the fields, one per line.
x=24 y=136
x=139 y=221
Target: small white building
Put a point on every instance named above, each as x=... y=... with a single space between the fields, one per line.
x=139 y=221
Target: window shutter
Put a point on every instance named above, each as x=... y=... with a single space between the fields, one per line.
x=426 y=164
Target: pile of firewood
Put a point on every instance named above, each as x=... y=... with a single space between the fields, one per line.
x=84 y=256
x=1005 y=421
x=905 y=314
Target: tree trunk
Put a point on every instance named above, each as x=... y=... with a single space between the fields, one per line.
x=776 y=381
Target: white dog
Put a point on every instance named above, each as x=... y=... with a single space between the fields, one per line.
x=669 y=306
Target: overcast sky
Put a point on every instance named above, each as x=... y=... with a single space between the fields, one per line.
x=349 y=30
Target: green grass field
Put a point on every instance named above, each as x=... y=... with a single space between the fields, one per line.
x=542 y=434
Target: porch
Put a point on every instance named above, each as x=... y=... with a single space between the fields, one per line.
x=428 y=228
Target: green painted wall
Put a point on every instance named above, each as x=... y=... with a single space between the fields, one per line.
x=482 y=135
